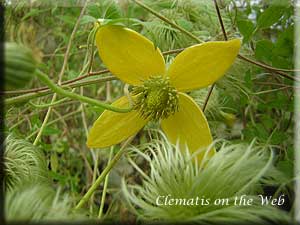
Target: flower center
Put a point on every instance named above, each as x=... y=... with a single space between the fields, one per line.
x=156 y=98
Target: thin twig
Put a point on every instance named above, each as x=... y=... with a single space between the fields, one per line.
x=90 y=74
x=225 y=37
x=270 y=91
x=92 y=51
x=220 y=20
x=16 y=124
x=168 y=21
x=53 y=122
x=276 y=70
x=61 y=74
x=41 y=106
x=174 y=51
x=105 y=186
x=84 y=123
x=273 y=84
x=58 y=90
x=267 y=67
x=26 y=97
x=63 y=84
x=208 y=96
x=107 y=169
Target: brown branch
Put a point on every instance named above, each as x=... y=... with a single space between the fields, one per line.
x=225 y=37
x=33 y=90
x=267 y=67
x=29 y=96
x=274 y=84
x=208 y=96
x=220 y=20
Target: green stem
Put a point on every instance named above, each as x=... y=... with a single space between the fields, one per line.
x=105 y=187
x=44 y=124
x=81 y=77
x=95 y=29
x=41 y=106
x=26 y=97
x=53 y=122
x=93 y=180
x=168 y=21
x=107 y=169
x=44 y=78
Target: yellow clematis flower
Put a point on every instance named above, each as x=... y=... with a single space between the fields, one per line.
x=158 y=91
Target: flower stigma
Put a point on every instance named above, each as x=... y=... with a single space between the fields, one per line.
x=156 y=98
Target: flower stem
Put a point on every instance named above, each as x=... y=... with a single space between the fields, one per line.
x=62 y=71
x=46 y=118
x=55 y=88
x=41 y=106
x=103 y=174
x=105 y=187
x=26 y=97
x=225 y=37
x=34 y=90
x=90 y=74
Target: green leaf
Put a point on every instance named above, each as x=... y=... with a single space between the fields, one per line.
x=54 y=162
x=88 y=19
x=246 y=28
x=105 y=10
x=270 y=16
x=282 y=62
x=263 y=50
x=284 y=45
x=34 y=12
x=286 y=167
x=61 y=146
x=50 y=131
x=278 y=137
x=67 y=19
x=248 y=80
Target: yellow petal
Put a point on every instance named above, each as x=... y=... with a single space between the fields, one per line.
x=112 y=128
x=129 y=55
x=188 y=126
x=201 y=65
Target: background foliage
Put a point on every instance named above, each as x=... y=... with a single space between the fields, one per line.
x=249 y=103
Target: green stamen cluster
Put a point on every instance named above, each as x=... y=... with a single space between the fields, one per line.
x=156 y=98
